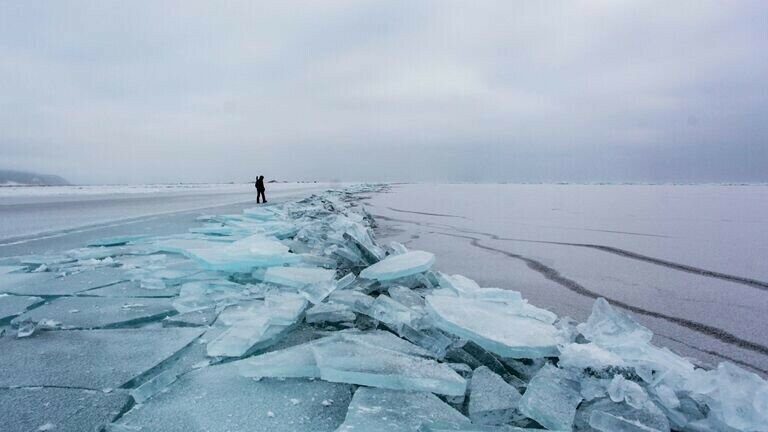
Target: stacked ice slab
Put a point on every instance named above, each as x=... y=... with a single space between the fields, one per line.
x=309 y=324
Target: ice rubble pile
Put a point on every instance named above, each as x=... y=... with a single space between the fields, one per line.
x=302 y=291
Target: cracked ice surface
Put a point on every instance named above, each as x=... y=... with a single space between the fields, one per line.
x=292 y=317
x=92 y=410
x=93 y=359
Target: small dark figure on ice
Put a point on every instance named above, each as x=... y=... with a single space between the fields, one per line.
x=260 y=189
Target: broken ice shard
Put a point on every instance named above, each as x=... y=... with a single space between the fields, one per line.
x=377 y=359
x=244 y=255
x=356 y=300
x=46 y=284
x=458 y=284
x=491 y=400
x=607 y=422
x=315 y=284
x=329 y=312
x=153 y=386
x=551 y=398
x=494 y=326
x=406 y=296
x=391 y=312
x=398 y=266
x=379 y=410
x=616 y=331
x=197 y=318
x=739 y=398
x=294 y=362
x=257 y=325
x=114 y=358
x=604 y=415
x=99 y=312
x=218 y=399
x=131 y=289
x=10 y=306
x=431 y=339
x=296 y=277
x=205 y=294
x=620 y=390
x=357 y=363
x=583 y=356
x=608 y=327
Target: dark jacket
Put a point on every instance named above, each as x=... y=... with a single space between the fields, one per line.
x=260 y=184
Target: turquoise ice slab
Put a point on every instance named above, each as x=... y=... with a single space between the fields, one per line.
x=47 y=284
x=11 y=305
x=93 y=359
x=583 y=356
x=494 y=326
x=398 y=266
x=491 y=400
x=382 y=410
x=294 y=362
x=100 y=312
x=378 y=359
x=254 y=326
x=329 y=312
x=16 y=283
x=204 y=294
x=391 y=312
x=218 y=399
x=551 y=398
x=297 y=277
x=59 y=409
x=197 y=318
x=359 y=363
x=243 y=255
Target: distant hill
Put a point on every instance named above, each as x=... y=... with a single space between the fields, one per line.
x=10 y=177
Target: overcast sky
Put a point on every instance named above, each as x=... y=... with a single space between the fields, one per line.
x=167 y=91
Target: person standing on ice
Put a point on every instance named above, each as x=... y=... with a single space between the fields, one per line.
x=260 y=189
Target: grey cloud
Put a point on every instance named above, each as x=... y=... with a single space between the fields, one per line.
x=364 y=90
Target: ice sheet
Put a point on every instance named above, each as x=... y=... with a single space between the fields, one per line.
x=92 y=359
x=398 y=266
x=100 y=312
x=375 y=359
x=218 y=399
x=256 y=325
x=11 y=306
x=45 y=284
x=494 y=327
x=491 y=400
x=380 y=410
x=551 y=398
x=244 y=255
x=425 y=319
x=59 y=409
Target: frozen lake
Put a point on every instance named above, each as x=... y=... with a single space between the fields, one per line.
x=31 y=215
x=687 y=261
x=155 y=310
